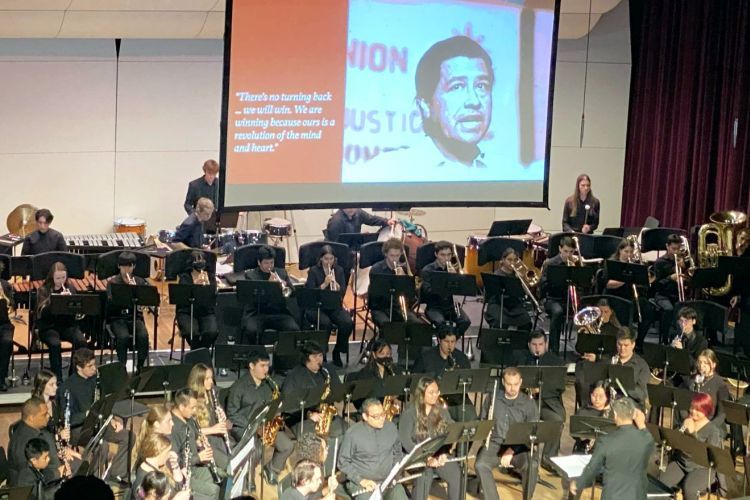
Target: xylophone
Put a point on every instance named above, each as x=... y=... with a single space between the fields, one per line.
x=100 y=243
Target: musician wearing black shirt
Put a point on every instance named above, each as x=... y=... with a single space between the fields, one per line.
x=555 y=297
x=190 y=233
x=44 y=239
x=626 y=356
x=120 y=319
x=741 y=297
x=665 y=285
x=689 y=337
x=514 y=312
x=33 y=424
x=7 y=328
x=442 y=310
x=205 y=186
x=597 y=406
x=708 y=381
x=581 y=210
x=382 y=308
x=328 y=275
x=37 y=454
x=256 y=320
x=351 y=220
x=55 y=328
x=205 y=328
x=379 y=367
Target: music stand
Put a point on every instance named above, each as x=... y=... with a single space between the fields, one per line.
x=113 y=377
x=407 y=336
x=550 y=380
x=662 y=396
x=133 y=296
x=254 y=294
x=16 y=492
x=359 y=390
x=562 y=276
x=599 y=344
x=509 y=227
x=500 y=286
x=235 y=356
x=463 y=435
x=497 y=346
x=738 y=414
x=664 y=356
x=630 y=274
x=165 y=378
x=730 y=366
x=240 y=459
x=75 y=304
x=317 y=299
x=531 y=434
x=289 y=345
x=623 y=377
x=391 y=286
x=191 y=295
x=397 y=384
x=583 y=427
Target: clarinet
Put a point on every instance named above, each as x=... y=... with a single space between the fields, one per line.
x=203 y=444
x=98 y=387
x=188 y=457
x=221 y=417
x=60 y=443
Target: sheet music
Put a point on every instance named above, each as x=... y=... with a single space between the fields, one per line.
x=572 y=465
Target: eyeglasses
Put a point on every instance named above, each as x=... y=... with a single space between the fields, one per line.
x=376 y=417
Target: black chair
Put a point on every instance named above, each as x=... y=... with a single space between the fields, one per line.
x=106 y=266
x=623 y=308
x=605 y=246
x=585 y=241
x=712 y=317
x=180 y=261
x=622 y=232
x=246 y=257
x=491 y=249
x=426 y=255
x=41 y=264
x=370 y=253
x=310 y=252
x=656 y=238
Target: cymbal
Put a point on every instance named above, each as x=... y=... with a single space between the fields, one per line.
x=414 y=212
x=21 y=220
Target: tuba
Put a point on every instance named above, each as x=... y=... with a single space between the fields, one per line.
x=327 y=411
x=588 y=320
x=720 y=237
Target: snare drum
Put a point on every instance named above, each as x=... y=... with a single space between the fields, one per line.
x=277 y=227
x=130 y=225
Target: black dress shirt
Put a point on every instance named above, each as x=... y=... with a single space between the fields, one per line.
x=38 y=242
x=570 y=223
x=545 y=289
x=433 y=364
x=339 y=223
x=664 y=285
x=22 y=434
x=45 y=320
x=245 y=397
x=116 y=312
x=256 y=274
x=369 y=453
x=190 y=232
x=641 y=374
x=444 y=303
x=716 y=387
x=199 y=188
x=81 y=397
x=185 y=432
x=316 y=276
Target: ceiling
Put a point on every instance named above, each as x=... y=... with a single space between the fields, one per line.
x=184 y=19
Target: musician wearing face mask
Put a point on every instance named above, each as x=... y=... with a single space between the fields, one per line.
x=581 y=210
x=121 y=319
x=665 y=285
x=55 y=328
x=254 y=321
x=393 y=263
x=7 y=306
x=707 y=380
x=514 y=310
x=205 y=328
x=379 y=367
x=328 y=275
x=442 y=311
x=555 y=297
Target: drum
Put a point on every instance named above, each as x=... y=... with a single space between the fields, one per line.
x=130 y=225
x=251 y=237
x=166 y=236
x=277 y=227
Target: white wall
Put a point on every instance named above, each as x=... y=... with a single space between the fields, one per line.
x=93 y=140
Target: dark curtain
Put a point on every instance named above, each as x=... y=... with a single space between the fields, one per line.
x=690 y=88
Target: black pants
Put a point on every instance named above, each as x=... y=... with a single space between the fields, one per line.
x=122 y=330
x=450 y=473
x=6 y=348
x=379 y=317
x=518 y=317
x=665 y=313
x=556 y=312
x=339 y=318
x=441 y=320
x=548 y=414
x=254 y=326
x=489 y=458
x=692 y=483
x=205 y=330
x=52 y=337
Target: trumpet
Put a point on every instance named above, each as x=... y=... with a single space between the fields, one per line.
x=333 y=286
x=203 y=278
x=129 y=279
x=401 y=268
x=286 y=291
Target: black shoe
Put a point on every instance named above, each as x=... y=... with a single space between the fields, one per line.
x=3 y=387
x=547 y=465
x=270 y=476
x=337 y=359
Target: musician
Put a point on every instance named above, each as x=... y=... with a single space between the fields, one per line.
x=689 y=338
x=7 y=328
x=254 y=324
x=121 y=319
x=665 y=285
x=510 y=407
x=598 y=406
x=205 y=327
x=626 y=356
x=621 y=456
x=381 y=308
x=552 y=408
x=307 y=479
x=581 y=210
x=328 y=275
x=351 y=220
x=368 y=452
x=201 y=381
x=610 y=325
x=379 y=367
x=204 y=186
x=682 y=471
x=158 y=421
x=555 y=297
x=708 y=381
x=156 y=486
x=624 y=253
x=33 y=424
x=441 y=310
x=190 y=233
x=54 y=328
x=514 y=310
x=158 y=457
x=45 y=388
x=37 y=452
x=185 y=432
x=44 y=239
x=426 y=418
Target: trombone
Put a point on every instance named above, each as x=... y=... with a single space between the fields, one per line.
x=402 y=269
x=524 y=275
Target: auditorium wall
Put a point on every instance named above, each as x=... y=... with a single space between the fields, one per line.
x=94 y=137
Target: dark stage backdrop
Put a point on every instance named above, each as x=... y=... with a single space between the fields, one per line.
x=688 y=152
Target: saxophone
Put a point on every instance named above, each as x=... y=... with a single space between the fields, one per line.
x=221 y=417
x=272 y=428
x=327 y=411
x=203 y=444
x=391 y=404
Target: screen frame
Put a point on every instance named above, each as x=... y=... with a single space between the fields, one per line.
x=391 y=205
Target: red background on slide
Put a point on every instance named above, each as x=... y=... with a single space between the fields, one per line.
x=288 y=46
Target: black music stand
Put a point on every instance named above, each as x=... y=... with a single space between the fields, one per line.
x=583 y=427
x=191 y=295
x=630 y=274
x=113 y=377
x=317 y=299
x=290 y=343
x=355 y=241
x=463 y=435
x=497 y=346
x=358 y=390
x=254 y=294
x=532 y=434
x=407 y=336
x=731 y=366
x=550 y=380
x=296 y=401
x=509 y=227
x=500 y=286
x=454 y=284
x=600 y=344
x=560 y=276
x=662 y=396
x=235 y=356
x=738 y=414
x=133 y=296
x=16 y=492
x=666 y=357
x=618 y=376
x=492 y=249
x=391 y=286
x=75 y=304
x=165 y=378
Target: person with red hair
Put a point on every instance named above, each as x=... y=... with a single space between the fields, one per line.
x=692 y=478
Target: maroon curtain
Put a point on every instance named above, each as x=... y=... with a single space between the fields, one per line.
x=690 y=88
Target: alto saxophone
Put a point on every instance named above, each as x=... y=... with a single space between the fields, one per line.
x=221 y=417
x=203 y=444
x=272 y=428
x=391 y=404
x=327 y=411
